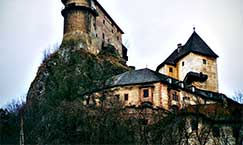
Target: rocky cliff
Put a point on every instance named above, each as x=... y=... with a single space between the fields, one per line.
x=63 y=78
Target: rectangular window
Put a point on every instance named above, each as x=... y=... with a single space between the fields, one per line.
x=103 y=21
x=183 y=63
x=145 y=93
x=94 y=26
x=204 y=61
x=171 y=69
x=118 y=38
x=103 y=36
x=126 y=97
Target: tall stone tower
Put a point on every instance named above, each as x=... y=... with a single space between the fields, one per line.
x=194 y=63
x=87 y=20
x=78 y=16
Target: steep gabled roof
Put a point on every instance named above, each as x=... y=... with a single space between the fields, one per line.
x=194 y=44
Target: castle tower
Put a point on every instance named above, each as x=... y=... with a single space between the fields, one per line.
x=78 y=16
x=194 y=63
x=89 y=23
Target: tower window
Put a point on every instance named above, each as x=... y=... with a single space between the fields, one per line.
x=145 y=93
x=183 y=63
x=94 y=26
x=117 y=37
x=103 y=36
x=171 y=69
x=104 y=22
x=126 y=97
x=204 y=61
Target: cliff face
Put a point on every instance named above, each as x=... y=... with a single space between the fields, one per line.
x=62 y=80
x=72 y=71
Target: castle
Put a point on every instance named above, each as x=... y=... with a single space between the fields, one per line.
x=192 y=66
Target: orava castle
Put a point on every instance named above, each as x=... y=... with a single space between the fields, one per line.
x=189 y=73
x=188 y=77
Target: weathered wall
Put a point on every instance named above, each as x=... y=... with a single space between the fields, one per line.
x=166 y=70
x=107 y=31
x=76 y=21
x=135 y=94
x=194 y=62
x=159 y=96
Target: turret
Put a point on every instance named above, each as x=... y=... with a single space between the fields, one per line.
x=87 y=22
x=78 y=16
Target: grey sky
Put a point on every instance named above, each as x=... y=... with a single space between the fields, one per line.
x=153 y=29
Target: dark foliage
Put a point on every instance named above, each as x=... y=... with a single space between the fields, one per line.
x=10 y=123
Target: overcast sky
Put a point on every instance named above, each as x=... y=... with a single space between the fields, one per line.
x=152 y=31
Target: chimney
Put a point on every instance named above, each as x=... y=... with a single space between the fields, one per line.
x=179 y=46
x=132 y=67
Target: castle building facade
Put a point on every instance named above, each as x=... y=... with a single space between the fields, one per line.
x=187 y=77
x=89 y=21
x=193 y=61
x=186 y=83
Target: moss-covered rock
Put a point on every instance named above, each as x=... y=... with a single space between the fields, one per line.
x=66 y=76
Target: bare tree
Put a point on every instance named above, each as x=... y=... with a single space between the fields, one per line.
x=238 y=97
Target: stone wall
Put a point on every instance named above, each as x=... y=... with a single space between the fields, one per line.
x=159 y=96
x=169 y=70
x=135 y=94
x=194 y=62
x=107 y=31
x=76 y=21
